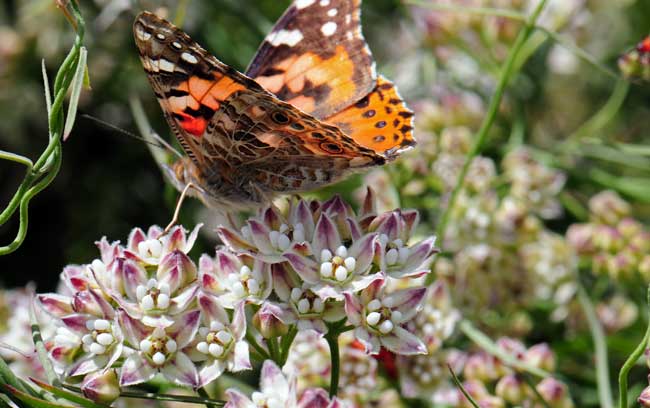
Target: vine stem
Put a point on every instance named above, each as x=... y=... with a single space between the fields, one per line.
x=333 y=343
x=630 y=362
x=600 y=346
x=495 y=102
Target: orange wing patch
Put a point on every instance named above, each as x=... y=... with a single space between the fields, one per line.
x=381 y=121
x=197 y=99
x=302 y=79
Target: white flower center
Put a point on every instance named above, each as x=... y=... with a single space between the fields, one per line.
x=380 y=318
x=100 y=337
x=246 y=283
x=306 y=303
x=158 y=347
x=151 y=248
x=337 y=267
x=218 y=340
x=396 y=252
x=154 y=296
x=286 y=235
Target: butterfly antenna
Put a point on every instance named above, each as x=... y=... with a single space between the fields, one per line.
x=179 y=204
x=159 y=141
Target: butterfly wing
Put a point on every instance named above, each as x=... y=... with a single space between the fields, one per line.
x=333 y=76
x=316 y=58
x=233 y=130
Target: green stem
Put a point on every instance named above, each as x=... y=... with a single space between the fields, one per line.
x=604 y=115
x=495 y=102
x=253 y=343
x=629 y=363
x=204 y=394
x=333 y=343
x=170 y=397
x=600 y=346
x=532 y=387
x=488 y=345
x=274 y=349
x=286 y=343
x=462 y=389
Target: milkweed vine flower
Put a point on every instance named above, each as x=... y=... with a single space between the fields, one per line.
x=279 y=391
x=147 y=307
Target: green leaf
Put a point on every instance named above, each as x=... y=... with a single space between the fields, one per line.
x=634 y=187
x=31 y=401
x=70 y=396
x=77 y=84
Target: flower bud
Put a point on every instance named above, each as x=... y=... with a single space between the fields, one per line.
x=541 y=356
x=102 y=387
x=269 y=320
x=511 y=389
x=608 y=207
x=636 y=62
x=554 y=393
x=644 y=398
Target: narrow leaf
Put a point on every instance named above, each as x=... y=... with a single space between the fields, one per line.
x=77 y=84
x=46 y=87
x=30 y=400
x=70 y=396
x=461 y=388
x=43 y=355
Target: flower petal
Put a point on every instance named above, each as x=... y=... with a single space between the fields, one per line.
x=136 y=370
x=314 y=398
x=241 y=358
x=326 y=235
x=185 y=327
x=133 y=330
x=407 y=301
x=177 y=270
x=364 y=252
x=401 y=341
x=238 y=325
x=183 y=299
x=233 y=240
x=304 y=266
x=272 y=380
x=211 y=371
x=55 y=304
x=353 y=308
x=212 y=310
x=238 y=400
x=181 y=370
x=260 y=236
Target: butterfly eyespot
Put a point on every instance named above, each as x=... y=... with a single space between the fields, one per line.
x=280 y=117
x=297 y=126
x=330 y=147
x=317 y=135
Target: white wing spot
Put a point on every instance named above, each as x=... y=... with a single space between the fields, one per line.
x=153 y=65
x=324 y=3
x=165 y=65
x=332 y=12
x=177 y=45
x=301 y=4
x=350 y=35
x=328 y=28
x=186 y=56
x=288 y=37
x=142 y=34
x=160 y=36
x=348 y=19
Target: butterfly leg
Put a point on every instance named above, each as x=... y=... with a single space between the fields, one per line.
x=179 y=204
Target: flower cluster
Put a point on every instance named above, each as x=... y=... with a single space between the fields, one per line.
x=492 y=384
x=500 y=244
x=616 y=244
x=147 y=308
x=635 y=64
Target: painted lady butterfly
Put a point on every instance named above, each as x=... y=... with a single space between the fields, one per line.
x=309 y=110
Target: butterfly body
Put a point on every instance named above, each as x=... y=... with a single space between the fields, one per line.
x=243 y=143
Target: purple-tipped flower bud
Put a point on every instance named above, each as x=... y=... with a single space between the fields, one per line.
x=644 y=398
x=608 y=207
x=636 y=62
x=270 y=321
x=511 y=389
x=102 y=387
x=541 y=355
x=554 y=393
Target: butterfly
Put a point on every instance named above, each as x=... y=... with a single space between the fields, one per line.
x=309 y=110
